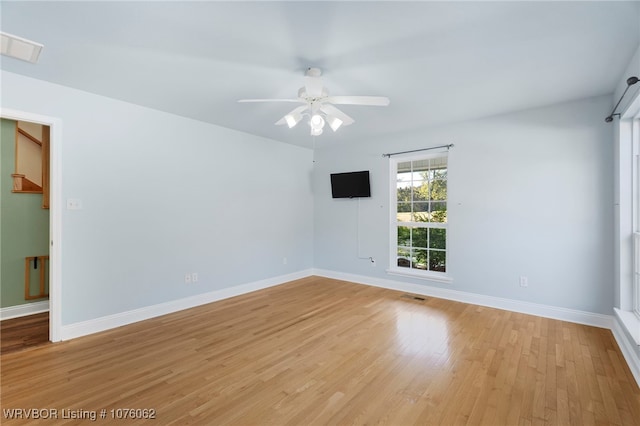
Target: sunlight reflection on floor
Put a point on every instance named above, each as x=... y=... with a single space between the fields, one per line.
x=423 y=332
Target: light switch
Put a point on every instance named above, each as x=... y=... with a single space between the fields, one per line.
x=74 y=204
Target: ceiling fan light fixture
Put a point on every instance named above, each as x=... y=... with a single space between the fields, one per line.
x=334 y=122
x=316 y=122
x=292 y=119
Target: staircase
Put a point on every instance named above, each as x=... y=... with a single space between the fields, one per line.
x=32 y=161
x=22 y=184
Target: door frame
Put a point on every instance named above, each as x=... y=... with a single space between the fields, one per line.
x=55 y=212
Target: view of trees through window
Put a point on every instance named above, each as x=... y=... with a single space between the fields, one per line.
x=421 y=190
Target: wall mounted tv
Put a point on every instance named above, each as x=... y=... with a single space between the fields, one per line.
x=350 y=185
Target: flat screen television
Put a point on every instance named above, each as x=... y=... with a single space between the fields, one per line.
x=350 y=185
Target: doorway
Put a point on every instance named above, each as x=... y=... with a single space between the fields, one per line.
x=55 y=209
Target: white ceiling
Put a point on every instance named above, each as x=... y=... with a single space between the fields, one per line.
x=438 y=62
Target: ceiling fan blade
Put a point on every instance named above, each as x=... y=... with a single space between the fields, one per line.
x=359 y=100
x=298 y=100
x=293 y=113
x=331 y=110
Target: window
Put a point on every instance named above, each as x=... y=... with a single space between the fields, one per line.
x=627 y=237
x=419 y=216
x=635 y=140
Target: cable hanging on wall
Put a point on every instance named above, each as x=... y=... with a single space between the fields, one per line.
x=369 y=258
x=418 y=150
x=630 y=82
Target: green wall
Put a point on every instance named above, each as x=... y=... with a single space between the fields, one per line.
x=24 y=226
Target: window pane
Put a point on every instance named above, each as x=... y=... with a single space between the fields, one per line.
x=420 y=259
x=439 y=163
x=420 y=191
x=404 y=194
x=440 y=174
x=420 y=237
x=420 y=212
x=438 y=212
x=404 y=217
x=439 y=190
x=404 y=167
x=404 y=207
x=437 y=261
x=421 y=217
x=404 y=212
x=404 y=236
x=421 y=166
x=437 y=238
x=419 y=176
x=404 y=260
x=404 y=180
x=422 y=206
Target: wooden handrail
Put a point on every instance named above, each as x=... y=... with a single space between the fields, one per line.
x=27 y=277
x=28 y=136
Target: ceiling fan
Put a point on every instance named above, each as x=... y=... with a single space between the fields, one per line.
x=318 y=105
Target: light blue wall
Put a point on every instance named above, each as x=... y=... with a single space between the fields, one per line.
x=164 y=195
x=530 y=194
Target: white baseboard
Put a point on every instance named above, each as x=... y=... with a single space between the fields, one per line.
x=24 y=310
x=627 y=343
x=554 y=312
x=96 y=325
x=111 y=321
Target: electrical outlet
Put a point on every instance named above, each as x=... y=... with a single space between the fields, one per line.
x=524 y=281
x=194 y=277
x=284 y=260
x=187 y=278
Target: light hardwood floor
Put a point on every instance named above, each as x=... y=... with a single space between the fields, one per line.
x=321 y=351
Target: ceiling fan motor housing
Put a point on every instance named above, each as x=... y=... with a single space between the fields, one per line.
x=313 y=72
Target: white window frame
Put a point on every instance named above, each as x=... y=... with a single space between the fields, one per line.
x=394 y=269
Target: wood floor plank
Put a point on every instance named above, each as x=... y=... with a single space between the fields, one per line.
x=319 y=351
x=21 y=333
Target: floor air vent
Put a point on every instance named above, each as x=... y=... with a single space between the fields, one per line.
x=413 y=297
